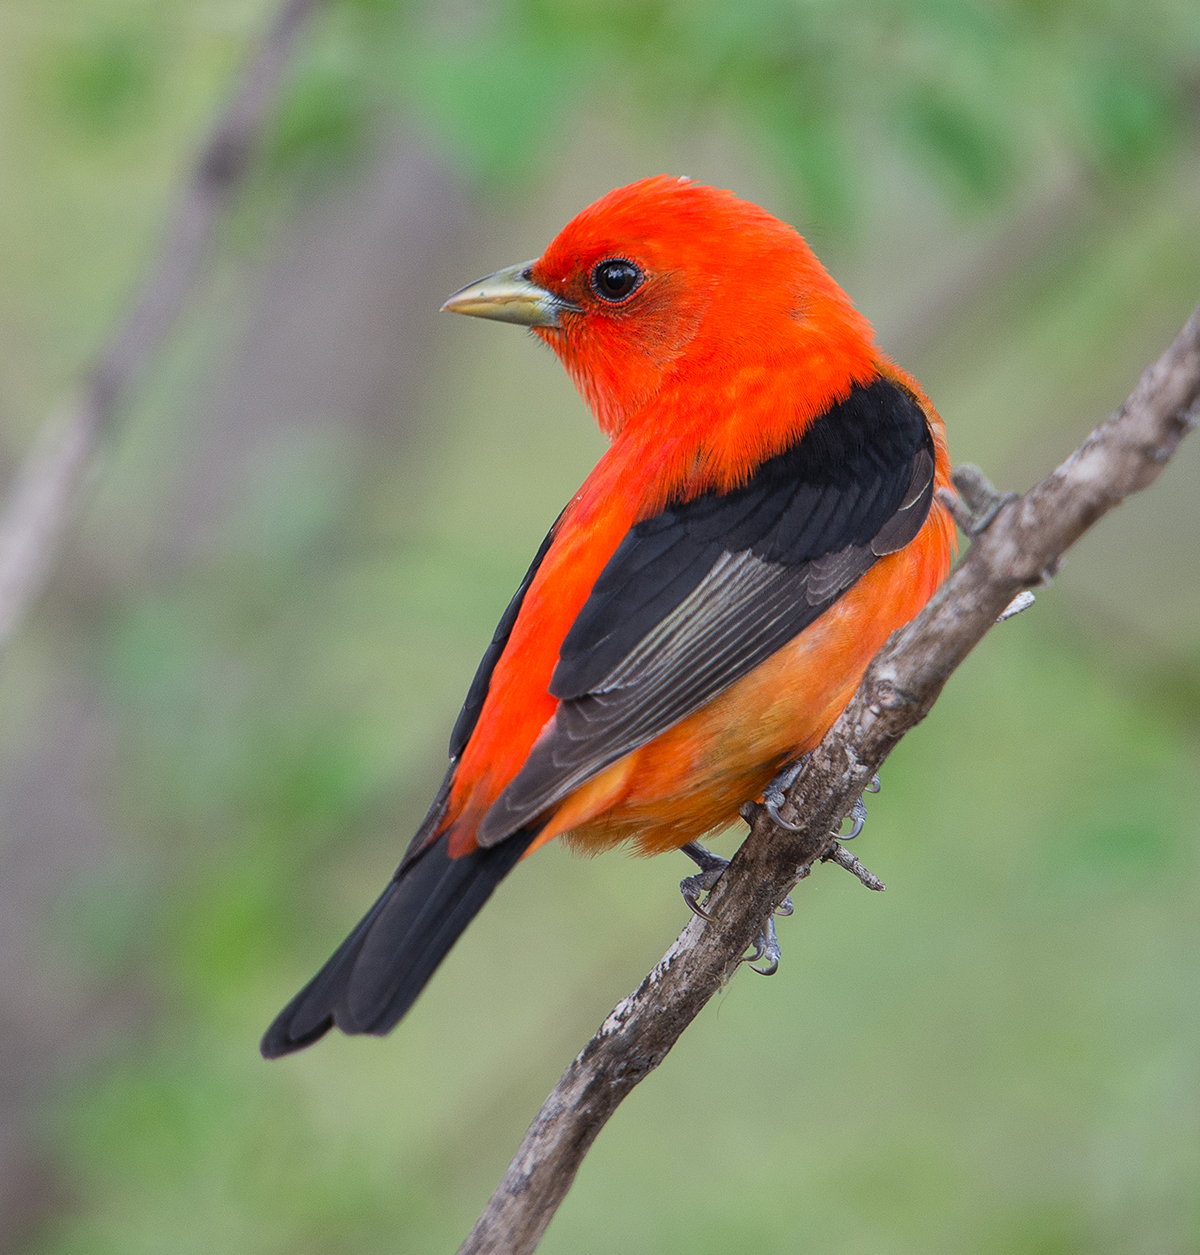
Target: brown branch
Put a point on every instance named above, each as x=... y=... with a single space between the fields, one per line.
x=46 y=493
x=1019 y=550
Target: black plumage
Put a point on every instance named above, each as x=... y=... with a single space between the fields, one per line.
x=699 y=595
x=376 y=974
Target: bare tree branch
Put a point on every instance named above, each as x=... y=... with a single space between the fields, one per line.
x=47 y=490
x=1018 y=550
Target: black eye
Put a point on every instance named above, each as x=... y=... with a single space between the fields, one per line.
x=615 y=279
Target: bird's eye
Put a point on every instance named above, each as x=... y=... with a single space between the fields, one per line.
x=615 y=279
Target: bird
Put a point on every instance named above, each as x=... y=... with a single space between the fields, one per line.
x=703 y=608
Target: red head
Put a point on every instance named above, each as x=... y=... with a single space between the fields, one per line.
x=671 y=285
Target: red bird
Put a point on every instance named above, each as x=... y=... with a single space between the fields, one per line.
x=707 y=602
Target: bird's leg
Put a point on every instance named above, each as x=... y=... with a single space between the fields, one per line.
x=711 y=865
x=766 y=944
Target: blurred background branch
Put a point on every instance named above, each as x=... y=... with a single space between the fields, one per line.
x=228 y=709
x=43 y=500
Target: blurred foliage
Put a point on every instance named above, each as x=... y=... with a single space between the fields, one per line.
x=981 y=93
x=101 y=84
x=1007 y=1038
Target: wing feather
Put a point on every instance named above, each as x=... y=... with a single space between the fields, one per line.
x=698 y=596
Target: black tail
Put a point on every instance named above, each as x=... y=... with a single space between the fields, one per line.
x=377 y=972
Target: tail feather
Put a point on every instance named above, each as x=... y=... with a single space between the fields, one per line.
x=375 y=975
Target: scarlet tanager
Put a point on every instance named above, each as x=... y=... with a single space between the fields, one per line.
x=705 y=605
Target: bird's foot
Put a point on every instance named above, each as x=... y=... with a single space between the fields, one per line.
x=775 y=794
x=858 y=813
x=711 y=866
x=841 y=856
x=766 y=944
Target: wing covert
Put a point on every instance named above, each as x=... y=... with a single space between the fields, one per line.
x=698 y=596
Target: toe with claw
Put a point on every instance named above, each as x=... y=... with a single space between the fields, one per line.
x=858 y=817
x=858 y=814
x=711 y=866
x=775 y=794
x=766 y=946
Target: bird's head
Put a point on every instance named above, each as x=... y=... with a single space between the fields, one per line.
x=669 y=282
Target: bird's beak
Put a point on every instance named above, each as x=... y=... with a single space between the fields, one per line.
x=510 y=295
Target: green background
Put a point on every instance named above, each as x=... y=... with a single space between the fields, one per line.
x=220 y=725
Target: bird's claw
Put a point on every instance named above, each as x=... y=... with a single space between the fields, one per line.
x=766 y=946
x=773 y=802
x=858 y=812
x=711 y=866
x=693 y=886
x=775 y=794
x=858 y=817
x=766 y=943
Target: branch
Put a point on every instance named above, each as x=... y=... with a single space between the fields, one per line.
x=47 y=489
x=1019 y=549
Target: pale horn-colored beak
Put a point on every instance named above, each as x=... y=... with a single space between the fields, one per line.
x=510 y=295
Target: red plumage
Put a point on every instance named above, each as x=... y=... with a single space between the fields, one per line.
x=707 y=602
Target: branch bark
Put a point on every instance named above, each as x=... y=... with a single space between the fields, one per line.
x=1020 y=549
x=46 y=493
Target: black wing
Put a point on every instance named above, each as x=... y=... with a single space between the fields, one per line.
x=696 y=597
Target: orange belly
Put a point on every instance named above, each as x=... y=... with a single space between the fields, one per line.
x=692 y=778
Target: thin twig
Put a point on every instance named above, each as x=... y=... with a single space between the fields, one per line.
x=1019 y=550
x=46 y=493
x=838 y=854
